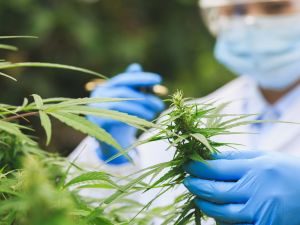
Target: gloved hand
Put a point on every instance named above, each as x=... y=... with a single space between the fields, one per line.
x=248 y=188
x=126 y=85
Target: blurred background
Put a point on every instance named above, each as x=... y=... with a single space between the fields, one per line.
x=166 y=37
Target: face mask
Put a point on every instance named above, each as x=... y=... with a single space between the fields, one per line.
x=266 y=49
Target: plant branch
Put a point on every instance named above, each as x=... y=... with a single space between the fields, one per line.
x=23 y=115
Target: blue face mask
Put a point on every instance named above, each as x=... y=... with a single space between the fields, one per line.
x=267 y=50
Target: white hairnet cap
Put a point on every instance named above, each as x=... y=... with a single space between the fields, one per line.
x=218 y=3
x=213 y=3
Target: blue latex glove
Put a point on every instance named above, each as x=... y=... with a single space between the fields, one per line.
x=248 y=188
x=126 y=85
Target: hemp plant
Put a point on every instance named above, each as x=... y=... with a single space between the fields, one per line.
x=191 y=129
x=35 y=186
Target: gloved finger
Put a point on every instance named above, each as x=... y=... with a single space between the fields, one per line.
x=147 y=100
x=216 y=191
x=134 y=68
x=135 y=79
x=238 y=155
x=229 y=213
x=154 y=103
x=220 y=170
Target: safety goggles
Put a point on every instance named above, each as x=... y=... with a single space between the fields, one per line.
x=218 y=13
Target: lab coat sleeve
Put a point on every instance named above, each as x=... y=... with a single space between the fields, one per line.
x=85 y=156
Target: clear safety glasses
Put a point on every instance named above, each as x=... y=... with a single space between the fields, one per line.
x=218 y=13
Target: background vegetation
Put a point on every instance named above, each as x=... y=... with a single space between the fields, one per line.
x=167 y=37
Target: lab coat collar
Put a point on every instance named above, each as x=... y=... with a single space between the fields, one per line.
x=288 y=110
x=257 y=104
x=283 y=133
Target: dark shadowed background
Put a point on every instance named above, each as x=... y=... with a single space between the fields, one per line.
x=167 y=37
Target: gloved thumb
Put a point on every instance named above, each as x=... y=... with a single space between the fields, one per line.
x=134 y=68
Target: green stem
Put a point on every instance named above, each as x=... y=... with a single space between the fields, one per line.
x=198 y=216
x=23 y=115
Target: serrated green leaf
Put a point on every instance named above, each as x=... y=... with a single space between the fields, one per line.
x=38 y=101
x=234 y=120
x=47 y=65
x=81 y=124
x=243 y=123
x=8 y=47
x=24 y=104
x=46 y=124
x=165 y=177
x=105 y=113
x=96 y=217
x=7 y=76
x=203 y=140
x=97 y=186
x=80 y=101
x=14 y=129
x=213 y=122
x=91 y=176
x=127 y=187
x=196 y=157
x=17 y=37
x=208 y=132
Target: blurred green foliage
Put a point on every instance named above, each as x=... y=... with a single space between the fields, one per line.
x=167 y=37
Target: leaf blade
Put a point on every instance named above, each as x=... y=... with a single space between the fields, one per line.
x=46 y=124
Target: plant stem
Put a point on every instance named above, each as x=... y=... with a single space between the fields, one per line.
x=23 y=115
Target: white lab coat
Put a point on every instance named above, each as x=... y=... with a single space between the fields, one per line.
x=281 y=137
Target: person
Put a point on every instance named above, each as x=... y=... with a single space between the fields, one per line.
x=259 y=40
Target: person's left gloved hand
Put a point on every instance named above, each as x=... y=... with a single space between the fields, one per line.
x=247 y=188
x=146 y=106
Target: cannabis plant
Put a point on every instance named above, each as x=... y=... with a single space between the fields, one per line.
x=35 y=186
x=191 y=129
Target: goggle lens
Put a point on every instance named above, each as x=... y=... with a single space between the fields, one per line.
x=214 y=16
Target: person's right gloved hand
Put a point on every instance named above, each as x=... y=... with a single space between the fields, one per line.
x=248 y=187
x=126 y=85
